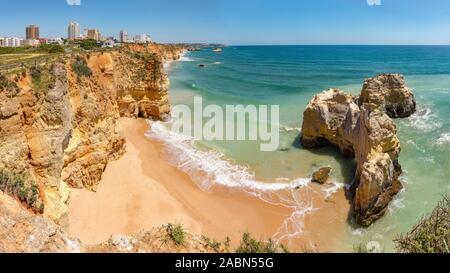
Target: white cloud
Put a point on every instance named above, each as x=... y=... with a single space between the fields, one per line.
x=374 y=2
x=77 y=2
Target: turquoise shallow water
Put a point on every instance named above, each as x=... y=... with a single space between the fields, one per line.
x=289 y=76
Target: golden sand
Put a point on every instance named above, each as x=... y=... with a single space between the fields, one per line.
x=141 y=191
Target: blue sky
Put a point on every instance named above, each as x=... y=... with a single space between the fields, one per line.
x=241 y=21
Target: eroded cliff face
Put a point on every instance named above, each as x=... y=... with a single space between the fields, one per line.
x=59 y=124
x=362 y=128
x=377 y=150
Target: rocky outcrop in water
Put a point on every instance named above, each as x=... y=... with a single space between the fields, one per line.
x=390 y=92
x=377 y=150
x=330 y=118
x=59 y=122
x=24 y=232
x=362 y=128
x=321 y=176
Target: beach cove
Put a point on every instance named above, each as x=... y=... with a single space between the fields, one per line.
x=274 y=188
x=142 y=191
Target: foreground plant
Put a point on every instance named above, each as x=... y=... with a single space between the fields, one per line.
x=431 y=234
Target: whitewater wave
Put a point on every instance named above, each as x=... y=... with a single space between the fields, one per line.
x=397 y=203
x=332 y=189
x=186 y=59
x=209 y=168
x=425 y=119
x=288 y=129
x=443 y=139
x=416 y=146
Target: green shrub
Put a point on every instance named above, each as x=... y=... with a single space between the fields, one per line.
x=20 y=185
x=5 y=83
x=251 y=245
x=12 y=50
x=176 y=234
x=431 y=234
x=90 y=44
x=212 y=244
x=51 y=49
x=80 y=67
x=42 y=79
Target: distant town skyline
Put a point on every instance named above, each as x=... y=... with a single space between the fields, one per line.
x=239 y=22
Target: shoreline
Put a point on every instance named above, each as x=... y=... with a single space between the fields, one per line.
x=142 y=191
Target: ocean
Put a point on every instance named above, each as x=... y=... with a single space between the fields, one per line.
x=289 y=76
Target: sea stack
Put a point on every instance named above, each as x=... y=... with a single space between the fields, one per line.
x=362 y=128
x=390 y=92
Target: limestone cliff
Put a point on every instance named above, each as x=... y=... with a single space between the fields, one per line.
x=59 y=122
x=362 y=128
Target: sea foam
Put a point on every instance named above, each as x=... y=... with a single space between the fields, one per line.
x=288 y=129
x=211 y=167
x=185 y=58
x=425 y=120
x=443 y=139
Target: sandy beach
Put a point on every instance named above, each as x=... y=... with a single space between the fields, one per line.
x=141 y=191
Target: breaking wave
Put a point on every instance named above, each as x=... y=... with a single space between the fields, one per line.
x=443 y=139
x=425 y=120
x=209 y=168
x=288 y=129
x=186 y=59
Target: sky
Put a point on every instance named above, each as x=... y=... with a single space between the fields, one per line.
x=240 y=22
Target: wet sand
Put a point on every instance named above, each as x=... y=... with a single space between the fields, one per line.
x=141 y=191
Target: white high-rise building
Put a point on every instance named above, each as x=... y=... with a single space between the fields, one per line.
x=13 y=42
x=142 y=39
x=123 y=36
x=73 y=31
x=2 y=42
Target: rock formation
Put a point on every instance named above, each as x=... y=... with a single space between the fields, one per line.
x=389 y=91
x=362 y=128
x=330 y=118
x=377 y=150
x=321 y=176
x=59 y=122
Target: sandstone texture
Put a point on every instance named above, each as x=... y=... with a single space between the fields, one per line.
x=59 y=122
x=390 y=92
x=362 y=128
x=330 y=118
x=22 y=231
x=321 y=176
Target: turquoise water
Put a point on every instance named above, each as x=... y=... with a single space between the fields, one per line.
x=289 y=76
